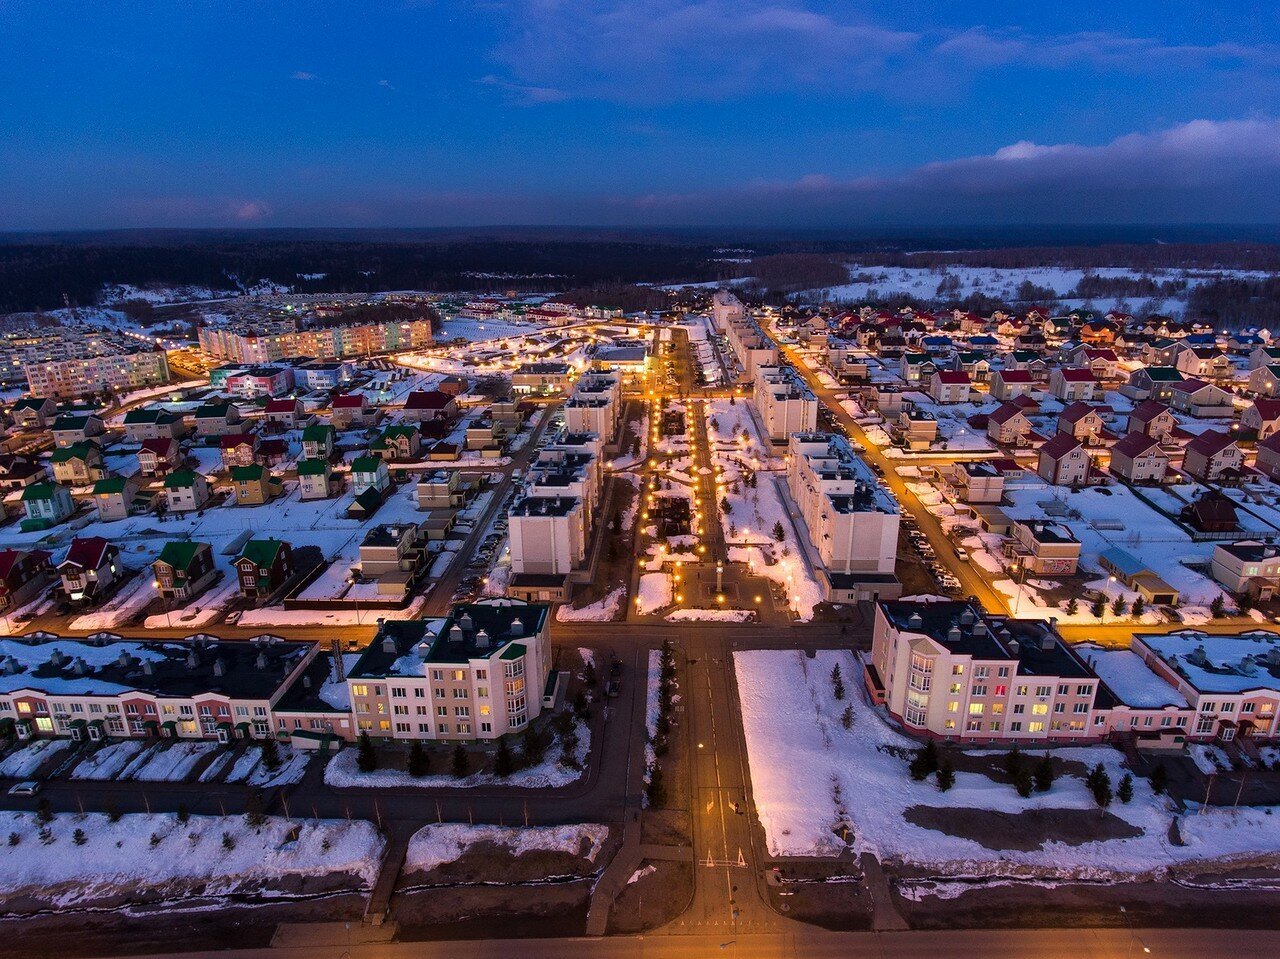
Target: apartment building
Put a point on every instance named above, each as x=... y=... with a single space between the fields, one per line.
x=269 y=341
x=478 y=674
x=952 y=671
x=86 y=375
x=548 y=541
x=749 y=346
x=852 y=521
x=785 y=404
x=542 y=379
x=1247 y=567
x=595 y=406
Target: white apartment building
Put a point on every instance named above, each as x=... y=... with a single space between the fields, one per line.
x=851 y=519
x=750 y=347
x=86 y=375
x=480 y=673
x=595 y=406
x=548 y=538
x=785 y=404
x=725 y=309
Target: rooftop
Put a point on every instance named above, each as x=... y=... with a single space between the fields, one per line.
x=1220 y=664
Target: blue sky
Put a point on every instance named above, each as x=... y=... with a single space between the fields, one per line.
x=648 y=112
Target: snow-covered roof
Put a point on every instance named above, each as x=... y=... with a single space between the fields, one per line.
x=1220 y=664
x=1132 y=681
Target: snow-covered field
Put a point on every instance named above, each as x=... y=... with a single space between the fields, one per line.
x=654 y=592
x=809 y=775
x=602 y=611
x=210 y=856
x=441 y=843
x=24 y=761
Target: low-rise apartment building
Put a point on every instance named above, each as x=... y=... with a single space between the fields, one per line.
x=785 y=404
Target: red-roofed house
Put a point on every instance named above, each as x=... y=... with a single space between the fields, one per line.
x=23 y=574
x=949 y=386
x=1139 y=459
x=159 y=456
x=1268 y=462
x=1082 y=421
x=430 y=405
x=1010 y=384
x=1063 y=461
x=1009 y=425
x=90 y=567
x=1154 y=419
x=1072 y=384
x=1263 y=418
x=283 y=413
x=353 y=410
x=238 y=449
x=1210 y=455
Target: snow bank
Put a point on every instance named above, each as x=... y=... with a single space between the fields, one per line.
x=601 y=611
x=437 y=844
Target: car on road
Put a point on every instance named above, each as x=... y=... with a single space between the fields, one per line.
x=28 y=788
x=877 y=469
x=962 y=553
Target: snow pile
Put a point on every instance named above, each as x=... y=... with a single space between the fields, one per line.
x=21 y=763
x=710 y=616
x=602 y=611
x=147 y=851
x=109 y=761
x=437 y=844
x=809 y=775
x=654 y=592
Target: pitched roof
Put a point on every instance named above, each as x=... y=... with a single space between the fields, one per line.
x=349 y=401
x=160 y=445
x=1190 y=386
x=76 y=451
x=1164 y=374
x=70 y=423
x=312 y=467
x=111 y=484
x=261 y=552
x=10 y=557
x=180 y=553
x=232 y=440
x=1271 y=444
x=427 y=400
x=1210 y=443
x=1075 y=412
x=38 y=491
x=34 y=403
x=365 y=464
x=1059 y=446
x=1076 y=374
x=1148 y=410
x=1267 y=409
x=1005 y=413
x=317 y=432
x=953 y=377
x=155 y=414
x=180 y=479
x=87 y=552
x=1134 y=444
x=248 y=474
x=1015 y=376
x=286 y=405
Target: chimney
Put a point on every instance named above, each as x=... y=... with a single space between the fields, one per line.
x=466 y=622
x=123 y=659
x=192 y=660
x=455 y=633
x=517 y=627
x=1014 y=647
x=219 y=667
x=261 y=661
x=953 y=634
x=389 y=644
x=80 y=666
x=915 y=622
x=306 y=682
x=979 y=628
x=55 y=659
x=482 y=640
x=148 y=668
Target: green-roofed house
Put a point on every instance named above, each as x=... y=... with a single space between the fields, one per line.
x=315 y=479
x=263 y=566
x=76 y=429
x=33 y=412
x=119 y=497
x=185 y=491
x=254 y=485
x=398 y=444
x=369 y=472
x=217 y=419
x=153 y=422
x=78 y=464
x=46 y=504
x=184 y=569
x=317 y=441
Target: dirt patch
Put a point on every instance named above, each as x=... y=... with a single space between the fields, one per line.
x=487 y=862
x=464 y=912
x=1026 y=831
x=656 y=898
x=827 y=894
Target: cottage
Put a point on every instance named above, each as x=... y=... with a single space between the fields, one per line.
x=1009 y=425
x=24 y=574
x=263 y=566
x=46 y=504
x=19 y=472
x=1265 y=381
x=317 y=441
x=1213 y=457
x=217 y=419
x=1211 y=512
x=159 y=456
x=977 y=481
x=1063 y=461
x=1204 y=364
x=119 y=497
x=185 y=491
x=91 y=567
x=916 y=368
x=1268 y=461
x=33 y=413
x=78 y=464
x=1262 y=418
x=398 y=444
x=1248 y=567
x=76 y=429
x=369 y=472
x=1264 y=356
x=315 y=479
x=184 y=569
x=1153 y=383
x=1200 y=399
x=1072 y=384
x=352 y=410
x=283 y=414
x=1043 y=547
x=949 y=386
x=261 y=381
x=423 y=405
x=1154 y=419
x=254 y=485
x=1137 y=576
x=152 y=423
x=238 y=449
x=1010 y=384
x=1139 y=459
x=1081 y=421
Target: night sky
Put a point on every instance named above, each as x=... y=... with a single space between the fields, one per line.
x=648 y=112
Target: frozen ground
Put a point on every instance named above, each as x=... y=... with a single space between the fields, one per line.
x=809 y=774
x=602 y=611
x=437 y=844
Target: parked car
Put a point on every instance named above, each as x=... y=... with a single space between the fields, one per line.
x=28 y=788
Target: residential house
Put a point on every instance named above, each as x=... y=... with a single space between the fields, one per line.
x=1213 y=457
x=426 y=405
x=1063 y=461
x=353 y=410
x=159 y=456
x=76 y=429
x=1162 y=351
x=975 y=364
x=46 y=504
x=24 y=574
x=976 y=482
x=442 y=489
x=1268 y=459
x=1211 y=512
x=1010 y=384
x=263 y=567
x=1154 y=419
x=1264 y=356
x=1205 y=364
x=1265 y=381
x=119 y=497
x=1262 y=418
x=184 y=569
x=317 y=441
x=19 y=472
x=1200 y=399
x=254 y=485
x=185 y=491
x=1099 y=333
x=916 y=428
x=1138 y=458
x=916 y=368
x=1100 y=361
x=1043 y=548
x=1030 y=361
x=949 y=386
x=1082 y=421
x=152 y=423
x=547 y=378
x=78 y=464
x=217 y=419
x=315 y=479
x=1073 y=384
x=1009 y=425
x=33 y=413
x=369 y=472
x=261 y=381
x=398 y=443
x=238 y=449
x=1248 y=568
x=90 y=568
x=1153 y=383
x=284 y=413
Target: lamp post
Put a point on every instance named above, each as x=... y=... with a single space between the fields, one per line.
x=1133 y=935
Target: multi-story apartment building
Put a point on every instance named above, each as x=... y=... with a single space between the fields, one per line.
x=478 y=674
x=269 y=341
x=595 y=406
x=84 y=374
x=548 y=541
x=950 y=670
x=749 y=346
x=542 y=378
x=851 y=519
x=785 y=404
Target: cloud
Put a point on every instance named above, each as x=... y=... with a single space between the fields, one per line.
x=303 y=75
x=522 y=93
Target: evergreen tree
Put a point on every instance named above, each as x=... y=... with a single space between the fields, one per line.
x=1124 y=792
x=1013 y=762
x=254 y=814
x=1217 y=606
x=655 y=791
x=503 y=761
x=461 y=761
x=1099 y=783
x=1159 y=779
x=366 y=755
x=925 y=761
x=1119 y=607
x=78 y=837
x=184 y=814
x=227 y=842
x=270 y=754
x=1139 y=607
x=778 y=532
x=946 y=777
x=1244 y=603
x=1044 y=774
x=419 y=761
x=533 y=746
x=837 y=683
x=581 y=708
x=846 y=717
x=1098 y=608
x=1023 y=783
x=14 y=839
x=1073 y=606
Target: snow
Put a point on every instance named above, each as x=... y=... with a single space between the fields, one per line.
x=654 y=592
x=24 y=761
x=439 y=843
x=641 y=873
x=278 y=616
x=250 y=769
x=168 y=761
x=710 y=616
x=1230 y=664
x=109 y=761
x=336 y=693
x=118 y=857
x=602 y=611
x=800 y=754
x=1130 y=678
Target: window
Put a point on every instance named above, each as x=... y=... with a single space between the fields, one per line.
x=957 y=669
x=384 y=725
x=997 y=708
x=486 y=727
x=1044 y=690
x=420 y=710
x=424 y=727
x=1247 y=707
x=973 y=726
x=1059 y=707
x=950 y=724
x=79 y=707
x=1208 y=707
x=1228 y=707
x=399 y=692
x=442 y=710
x=1002 y=690
x=443 y=728
x=464 y=728
x=1039 y=709
x=915 y=715
x=459 y=692
x=419 y=693
x=439 y=692
x=244 y=710
x=482 y=674
x=980 y=672
x=459 y=675
x=993 y=727
x=1035 y=727
x=1003 y=672
x=1166 y=721
x=402 y=727
x=1063 y=689
x=358 y=689
x=979 y=690
x=462 y=710
x=955 y=689
x=975 y=709
x=1021 y=690
x=437 y=674
x=953 y=706
x=400 y=710
x=482 y=691
x=1204 y=724
x=1019 y=709
x=1084 y=690
x=1080 y=708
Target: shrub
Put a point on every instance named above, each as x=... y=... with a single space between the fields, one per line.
x=946 y=777
x=503 y=763
x=78 y=837
x=419 y=762
x=1023 y=783
x=925 y=761
x=1044 y=774
x=227 y=842
x=366 y=755
x=461 y=762
x=1124 y=792
x=1159 y=779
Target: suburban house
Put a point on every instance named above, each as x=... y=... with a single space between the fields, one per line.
x=423 y=405
x=33 y=413
x=1268 y=458
x=1073 y=384
x=1154 y=419
x=283 y=413
x=17 y=472
x=263 y=566
x=159 y=456
x=1063 y=461
x=1152 y=383
x=1212 y=457
x=916 y=368
x=1262 y=418
x=119 y=497
x=1009 y=425
x=1081 y=421
x=317 y=441
x=949 y=386
x=46 y=504
x=152 y=423
x=400 y=443
x=1010 y=384
x=1201 y=399
x=1205 y=364
x=369 y=472
x=76 y=429
x=184 y=491
x=91 y=566
x=1138 y=458
x=1211 y=512
x=977 y=481
x=1247 y=567
x=238 y=449
x=1043 y=547
x=78 y=464
x=24 y=573
x=254 y=485
x=315 y=479
x=184 y=569
x=916 y=428
x=1134 y=574
x=217 y=419
x=1265 y=380
x=353 y=409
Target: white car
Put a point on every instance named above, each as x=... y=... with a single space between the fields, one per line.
x=28 y=788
